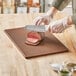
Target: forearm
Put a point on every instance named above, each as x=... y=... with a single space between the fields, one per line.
x=52 y=11
x=60 y=4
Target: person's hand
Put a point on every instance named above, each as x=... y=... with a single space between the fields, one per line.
x=45 y=19
x=59 y=26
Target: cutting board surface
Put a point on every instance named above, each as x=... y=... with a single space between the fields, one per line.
x=50 y=45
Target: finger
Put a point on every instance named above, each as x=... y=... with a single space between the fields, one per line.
x=39 y=22
x=60 y=28
x=51 y=29
x=36 y=20
x=54 y=30
x=57 y=28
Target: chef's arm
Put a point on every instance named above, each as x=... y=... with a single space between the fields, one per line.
x=60 y=5
x=52 y=11
x=57 y=5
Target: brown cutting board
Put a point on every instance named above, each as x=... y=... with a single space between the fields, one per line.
x=50 y=45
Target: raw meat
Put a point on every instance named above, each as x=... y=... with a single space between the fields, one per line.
x=34 y=38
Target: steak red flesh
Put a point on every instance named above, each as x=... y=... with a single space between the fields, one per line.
x=34 y=38
x=34 y=35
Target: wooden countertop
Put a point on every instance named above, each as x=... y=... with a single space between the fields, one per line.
x=12 y=62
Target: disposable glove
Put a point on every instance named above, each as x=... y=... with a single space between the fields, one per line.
x=59 y=26
x=44 y=19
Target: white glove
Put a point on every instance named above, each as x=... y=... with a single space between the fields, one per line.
x=45 y=19
x=59 y=26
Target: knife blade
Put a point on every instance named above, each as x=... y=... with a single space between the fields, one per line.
x=40 y=28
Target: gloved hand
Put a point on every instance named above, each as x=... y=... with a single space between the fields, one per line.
x=45 y=19
x=59 y=26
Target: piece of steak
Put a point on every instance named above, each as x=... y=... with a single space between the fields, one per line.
x=34 y=38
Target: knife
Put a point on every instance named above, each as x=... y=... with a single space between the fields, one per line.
x=40 y=28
